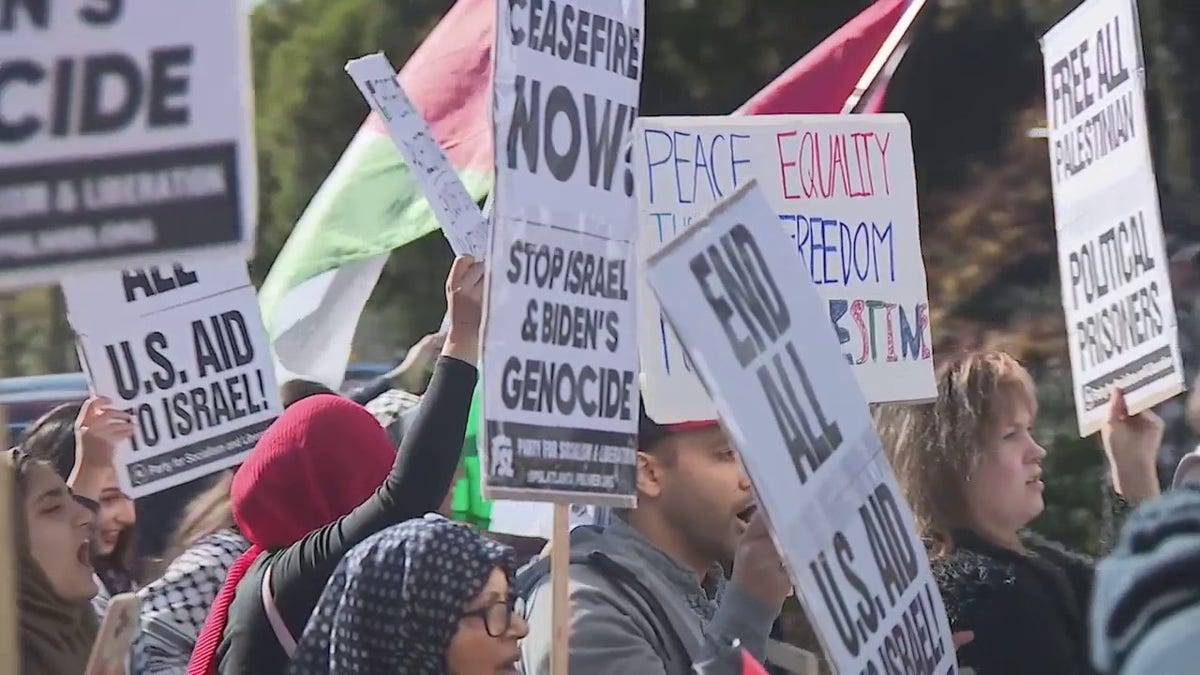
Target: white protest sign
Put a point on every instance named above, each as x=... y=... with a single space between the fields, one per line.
x=1116 y=288
x=844 y=190
x=125 y=135
x=456 y=211
x=560 y=400
x=731 y=289
x=1095 y=103
x=180 y=346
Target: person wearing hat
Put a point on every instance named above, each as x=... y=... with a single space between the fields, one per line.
x=648 y=590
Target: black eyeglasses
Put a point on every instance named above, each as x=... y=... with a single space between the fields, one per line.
x=497 y=617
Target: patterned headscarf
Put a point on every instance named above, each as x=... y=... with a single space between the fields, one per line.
x=395 y=601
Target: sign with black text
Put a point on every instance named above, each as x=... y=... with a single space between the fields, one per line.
x=182 y=348
x=462 y=223
x=560 y=364
x=125 y=135
x=1116 y=289
x=756 y=329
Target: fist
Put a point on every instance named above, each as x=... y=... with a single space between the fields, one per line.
x=99 y=428
x=464 y=297
x=758 y=568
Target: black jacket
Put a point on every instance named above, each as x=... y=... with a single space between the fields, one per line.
x=423 y=472
x=1029 y=611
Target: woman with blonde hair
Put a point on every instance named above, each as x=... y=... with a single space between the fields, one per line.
x=971 y=470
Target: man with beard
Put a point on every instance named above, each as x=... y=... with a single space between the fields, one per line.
x=648 y=589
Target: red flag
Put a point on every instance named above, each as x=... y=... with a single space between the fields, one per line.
x=822 y=80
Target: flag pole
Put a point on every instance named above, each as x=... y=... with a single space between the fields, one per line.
x=887 y=58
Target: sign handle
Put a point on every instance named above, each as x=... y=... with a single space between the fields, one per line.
x=560 y=567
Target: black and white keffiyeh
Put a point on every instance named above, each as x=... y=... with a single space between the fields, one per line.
x=175 y=605
x=395 y=601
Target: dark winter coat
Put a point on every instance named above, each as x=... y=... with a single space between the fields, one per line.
x=1028 y=611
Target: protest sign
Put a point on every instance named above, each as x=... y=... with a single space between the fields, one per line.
x=560 y=367
x=844 y=190
x=753 y=323
x=125 y=135
x=182 y=348
x=1116 y=289
x=456 y=211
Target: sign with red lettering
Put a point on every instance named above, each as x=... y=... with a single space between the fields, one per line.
x=845 y=192
x=125 y=135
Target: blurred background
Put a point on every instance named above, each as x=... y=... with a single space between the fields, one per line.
x=971 y=85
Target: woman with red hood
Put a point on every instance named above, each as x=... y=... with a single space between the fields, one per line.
x=323 y=478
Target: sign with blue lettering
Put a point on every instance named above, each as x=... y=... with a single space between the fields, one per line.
x=125 y=135
x=844 y=190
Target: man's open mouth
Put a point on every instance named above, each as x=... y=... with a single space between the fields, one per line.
x=747 y=513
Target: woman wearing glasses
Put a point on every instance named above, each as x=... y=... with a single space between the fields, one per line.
x=426 y=597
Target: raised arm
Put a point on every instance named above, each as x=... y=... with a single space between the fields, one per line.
x=425 y=465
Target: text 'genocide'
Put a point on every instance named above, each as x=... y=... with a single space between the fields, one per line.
x=538 y=385
x=1079 y=80
x=75 y=93
x=1110 y=265
x=685 y=167
x=221 y=344
x=746 y=300
x=911 y=643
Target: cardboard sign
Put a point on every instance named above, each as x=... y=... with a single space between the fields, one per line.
x=1116 y=288
x=125 y=135
x=560 y=383
x=843 y=189
x=753 y=323
x=182 y=348
x=456 y=211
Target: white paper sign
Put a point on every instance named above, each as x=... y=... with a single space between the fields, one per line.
x=181 y=346
x=730 y=287
x=125 y=135
x=560 y=400
x=1120 y=315
x=844 y=190
x=456 y=211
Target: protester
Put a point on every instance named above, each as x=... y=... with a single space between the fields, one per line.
x=971 y=471
x=317 y=484
x=1146 y=613
x=56 y=582
x=53 y=438
x=411 y=376
x=174 y=606
x=429 y=596
x=648 y=588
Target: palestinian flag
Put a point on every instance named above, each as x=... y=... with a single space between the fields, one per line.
x=370 y=203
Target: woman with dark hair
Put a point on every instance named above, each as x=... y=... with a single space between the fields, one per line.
x=54 y=529
x=52 y=438
x=174 y=605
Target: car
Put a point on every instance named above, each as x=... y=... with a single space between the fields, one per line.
x=25 y=399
